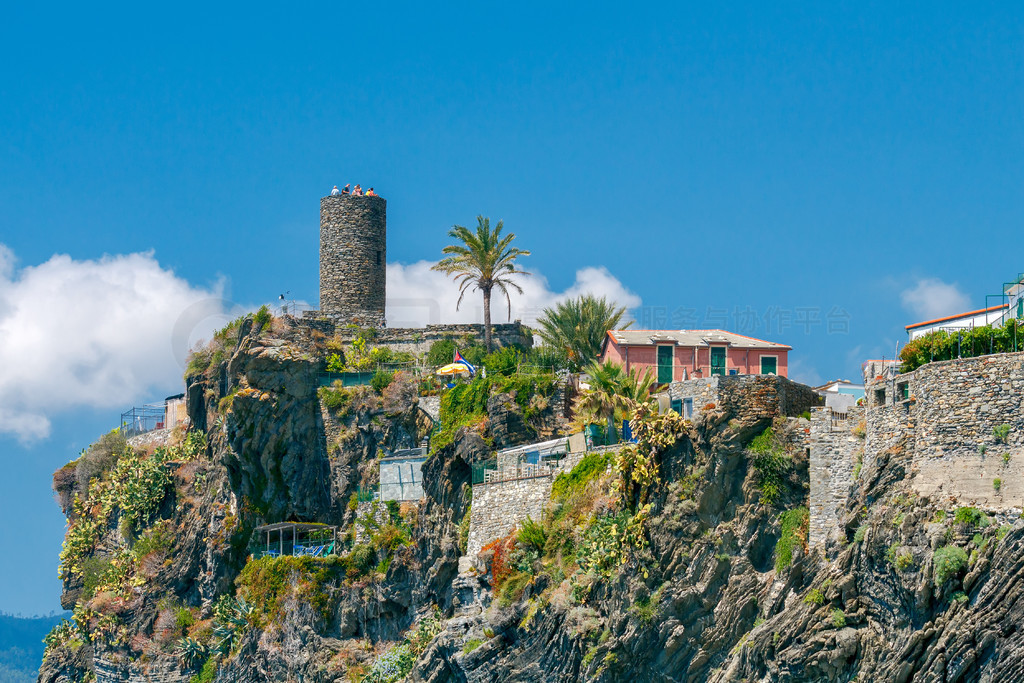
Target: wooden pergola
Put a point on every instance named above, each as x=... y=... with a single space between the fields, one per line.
x=299 y=538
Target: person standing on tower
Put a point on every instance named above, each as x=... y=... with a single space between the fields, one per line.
x=335 y=192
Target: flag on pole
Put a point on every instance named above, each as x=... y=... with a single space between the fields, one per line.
x=463 y=361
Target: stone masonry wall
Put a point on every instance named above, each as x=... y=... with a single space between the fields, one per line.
x=499 y=507
x=353 y=258
x=419 y=339
x=748 y=396
x=944 y=414
x=835 y=449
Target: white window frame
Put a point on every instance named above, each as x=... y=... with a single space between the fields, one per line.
x=760 y=364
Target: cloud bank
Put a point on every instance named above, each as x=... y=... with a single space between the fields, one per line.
x=114 y=332
x=932 y=298
x=104 y=333
x=418 y=296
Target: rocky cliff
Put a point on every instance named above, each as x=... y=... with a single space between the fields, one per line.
x=682 y=558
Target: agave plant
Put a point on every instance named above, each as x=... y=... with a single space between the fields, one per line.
x=192 y=653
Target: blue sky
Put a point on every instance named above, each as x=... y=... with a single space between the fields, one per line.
x=745 y=165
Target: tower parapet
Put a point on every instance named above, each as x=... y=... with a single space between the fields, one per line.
x=353 y=258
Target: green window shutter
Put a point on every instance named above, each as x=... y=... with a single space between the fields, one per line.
x=717 y=360
x=769 y=366
x=665 y=354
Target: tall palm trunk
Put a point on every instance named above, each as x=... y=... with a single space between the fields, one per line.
x=487 y=319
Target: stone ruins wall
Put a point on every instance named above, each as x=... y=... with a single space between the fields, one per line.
x=353 y=259
x=835 y=449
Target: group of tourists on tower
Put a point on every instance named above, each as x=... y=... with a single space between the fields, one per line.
x=357 y=191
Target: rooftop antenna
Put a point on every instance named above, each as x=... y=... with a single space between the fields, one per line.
x=288 y=302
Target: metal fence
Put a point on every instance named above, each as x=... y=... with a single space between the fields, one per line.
x=143 y=419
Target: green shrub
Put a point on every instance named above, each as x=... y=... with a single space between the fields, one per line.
x=943 y=345
x=1006 y=458
x=336 y=398
x=532 y=534
x=158 y=538
x=392 y=666
x=262 y=318
x=981 y=449
x=948 y=562
x=335 y=363
x=814 y=597
x=471 y=644
x=208 y=672
x=997 y=483
x=381 y=380
x=1000 y=433
x=268 y=583
x=441 y=352
x=794 y=528
x=94 y=571
x=512 y=588
x=970 y=516
x=567 y=483
x=771 y=463
x=505 y=361
x=904 y=560
x=959 y=596
x=858 y=535
x=838 y=618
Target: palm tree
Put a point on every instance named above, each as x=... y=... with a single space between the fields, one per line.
x=613 y=391
x=483 y=261
x=578 y=326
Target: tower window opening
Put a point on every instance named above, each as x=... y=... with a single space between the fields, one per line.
x=378 y=257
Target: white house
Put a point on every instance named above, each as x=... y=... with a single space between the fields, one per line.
x=962 y=321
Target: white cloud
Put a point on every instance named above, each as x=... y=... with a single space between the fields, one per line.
x=104 y=333
x=418 y=296
x=932 y=298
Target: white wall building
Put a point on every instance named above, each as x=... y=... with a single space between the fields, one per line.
x=962 y=321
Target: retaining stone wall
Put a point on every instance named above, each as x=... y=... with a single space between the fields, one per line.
x=944 y=419
x=499 y=507
x=834 y=451
x=376 y=510
x=750 y=397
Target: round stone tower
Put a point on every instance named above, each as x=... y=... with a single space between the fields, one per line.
x=353 y=254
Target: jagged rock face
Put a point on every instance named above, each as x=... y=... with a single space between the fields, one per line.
x=711 y=607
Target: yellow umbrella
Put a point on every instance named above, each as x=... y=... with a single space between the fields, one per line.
x=453 y=369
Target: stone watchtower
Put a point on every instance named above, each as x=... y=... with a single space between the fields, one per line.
x=353 y=254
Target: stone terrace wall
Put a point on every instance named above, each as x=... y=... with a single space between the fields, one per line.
x=834 y=451
x=419 y=339
x=946 y=417
x=748 y=396
x=499 y=507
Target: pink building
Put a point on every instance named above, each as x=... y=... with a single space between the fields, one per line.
x=675 y=355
